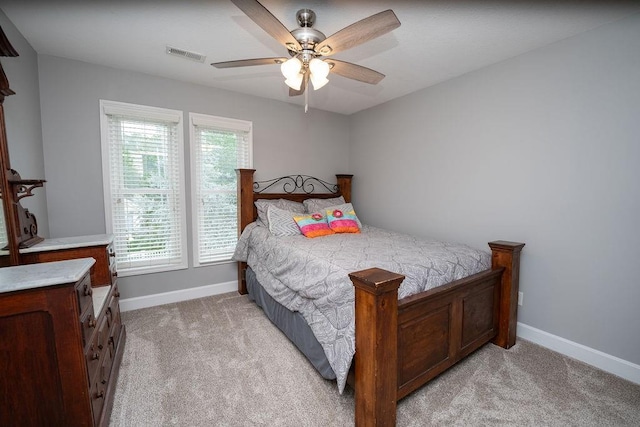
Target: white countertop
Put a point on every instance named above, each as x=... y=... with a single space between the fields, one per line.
x=66 y=243
x=69 y=242
x=31 y=276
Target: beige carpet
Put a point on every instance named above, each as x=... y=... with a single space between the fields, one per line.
x=218 y=361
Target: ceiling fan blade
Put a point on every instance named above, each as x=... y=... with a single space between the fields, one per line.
x=265 y=20
x=355 y=72
x=293 y=92
x=359 y=32
x=249 y=62
x=303 y=86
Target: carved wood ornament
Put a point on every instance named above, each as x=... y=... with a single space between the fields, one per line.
x=22 y=228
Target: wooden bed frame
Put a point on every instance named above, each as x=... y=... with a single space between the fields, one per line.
x=402 y=344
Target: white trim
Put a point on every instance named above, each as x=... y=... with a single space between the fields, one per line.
x=218 y=122
x=235 y=125
x=146 y=113
x=146 y=301
x=161 y=268
x=614 y=365
x=140 y=111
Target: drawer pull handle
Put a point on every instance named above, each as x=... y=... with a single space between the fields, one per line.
x=92 y=322
x=112 y=254
x=96 y=356
x=114 y=274
x=100 y=394
x=117 y=294
x=100 y=346
x=87 y=291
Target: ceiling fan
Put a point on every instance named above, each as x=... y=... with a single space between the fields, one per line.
x=307 y=46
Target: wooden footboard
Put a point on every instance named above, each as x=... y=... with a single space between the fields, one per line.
x=401 y=345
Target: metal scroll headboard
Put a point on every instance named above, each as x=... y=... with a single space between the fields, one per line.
x=295 y=184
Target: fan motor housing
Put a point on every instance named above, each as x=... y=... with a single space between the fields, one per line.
x=306 y=17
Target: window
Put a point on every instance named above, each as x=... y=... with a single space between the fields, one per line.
x=218 y=147
x=143 y=175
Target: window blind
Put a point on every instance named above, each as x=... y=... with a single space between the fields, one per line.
x=219 y=147
x=145 y=194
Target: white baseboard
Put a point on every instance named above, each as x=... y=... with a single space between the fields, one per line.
x=135 y=303
x=606 y=362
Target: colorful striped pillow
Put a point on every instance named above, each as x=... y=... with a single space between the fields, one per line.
x=313 y=225
x=342 y=221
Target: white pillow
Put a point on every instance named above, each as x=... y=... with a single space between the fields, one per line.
x=281 y=222
x=263 y=204
x=318 y=205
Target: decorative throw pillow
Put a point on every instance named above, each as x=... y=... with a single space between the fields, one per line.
x=313 y=225
x=319 y=205
x=289 y=205
x=342 y=221
x=346 y=207
x=281 y=222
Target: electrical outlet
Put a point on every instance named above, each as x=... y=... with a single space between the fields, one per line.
x=520 y=298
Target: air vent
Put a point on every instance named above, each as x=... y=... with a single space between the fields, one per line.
x=185 y=54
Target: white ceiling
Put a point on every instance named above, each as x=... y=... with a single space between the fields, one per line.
x=438 y=40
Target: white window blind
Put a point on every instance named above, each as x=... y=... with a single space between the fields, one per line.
x=143 y=171
x=218 y=147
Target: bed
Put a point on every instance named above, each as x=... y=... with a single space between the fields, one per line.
x=399 y=344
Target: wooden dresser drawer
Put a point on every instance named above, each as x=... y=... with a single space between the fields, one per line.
x=92 y=355
x=97 y=393
x=115 y=324
x=105 y=367
x=88 y=324
x=84 y=292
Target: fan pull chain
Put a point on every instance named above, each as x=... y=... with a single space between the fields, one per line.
x=306 y=99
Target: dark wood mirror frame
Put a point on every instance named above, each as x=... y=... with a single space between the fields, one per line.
x=22 y=228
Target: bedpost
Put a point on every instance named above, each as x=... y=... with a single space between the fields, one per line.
x=376 y=369
x=245 y=216
x=507 y=255
x=344 y=185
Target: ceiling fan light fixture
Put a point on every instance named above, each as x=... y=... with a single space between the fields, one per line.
x=291 y=68
x=294 y=82
x=319 y=72
x=319 y=68
x=318 y=81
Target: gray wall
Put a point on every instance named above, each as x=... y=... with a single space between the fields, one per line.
x=285 y=141
x=544 y=149
x=22 y=117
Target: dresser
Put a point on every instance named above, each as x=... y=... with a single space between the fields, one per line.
x=61 y=334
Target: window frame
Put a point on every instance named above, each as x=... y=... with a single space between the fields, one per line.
x=198 y=119
x=134 y=111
